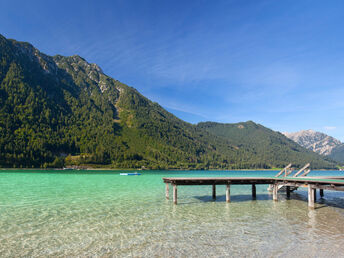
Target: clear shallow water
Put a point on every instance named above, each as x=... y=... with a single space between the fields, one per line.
x=103 y=214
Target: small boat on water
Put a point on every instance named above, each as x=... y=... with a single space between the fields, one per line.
x=130 y=174
x=68 y=168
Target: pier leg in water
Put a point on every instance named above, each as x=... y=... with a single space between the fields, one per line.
x=214 y=191
x=310 y=197
x=254 y=193
x=175 y=194
x=288 y=191
x=228 y=193
x=167 y=191
x=321 y=193
x=274 y=193
x=315 y=194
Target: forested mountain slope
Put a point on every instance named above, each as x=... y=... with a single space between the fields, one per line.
x=266 y=147
x=51 y=107
x=57 y=111
x=337 y=154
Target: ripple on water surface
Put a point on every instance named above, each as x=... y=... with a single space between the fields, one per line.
x=104 y=214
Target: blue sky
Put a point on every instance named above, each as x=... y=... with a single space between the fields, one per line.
x=278 y=63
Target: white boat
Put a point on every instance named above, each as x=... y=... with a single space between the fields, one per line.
x=130 y=174
x=68 y=168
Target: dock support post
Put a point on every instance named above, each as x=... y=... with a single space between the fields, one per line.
x=214 y=191
x=174 y=193
x=288 y=191
x=274 y=193
x=228 y=193
x=321 y=193
x=167 y=191
x=315 y=194
x=310 y=197
x=254 y=193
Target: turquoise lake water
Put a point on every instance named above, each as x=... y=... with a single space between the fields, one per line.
x=103 y=214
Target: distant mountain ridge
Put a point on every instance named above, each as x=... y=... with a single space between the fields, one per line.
x=315 y=141
x=319 y=142
x=266 y=145
x=57 y=111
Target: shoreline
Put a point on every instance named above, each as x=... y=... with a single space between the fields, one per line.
x=130 y=169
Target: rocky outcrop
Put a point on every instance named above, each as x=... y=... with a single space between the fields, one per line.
x=319 y=142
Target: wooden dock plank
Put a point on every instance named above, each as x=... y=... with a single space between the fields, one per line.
x=250 y=180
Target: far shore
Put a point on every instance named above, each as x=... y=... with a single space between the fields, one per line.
x=132 y=169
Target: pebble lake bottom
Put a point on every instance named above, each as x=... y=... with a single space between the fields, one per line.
x=103 y=214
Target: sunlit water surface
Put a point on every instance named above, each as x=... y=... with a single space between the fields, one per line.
x=103 y=214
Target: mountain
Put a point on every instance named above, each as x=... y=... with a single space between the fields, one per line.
x=319 y=143
x=337 y=154
x=57 y=110
x=315 y=141
x=263 y=145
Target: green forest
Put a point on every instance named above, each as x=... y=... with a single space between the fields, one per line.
x=62 y=111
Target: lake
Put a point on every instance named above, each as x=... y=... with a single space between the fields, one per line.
x=100 y=213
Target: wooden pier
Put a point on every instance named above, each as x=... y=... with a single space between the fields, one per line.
x=321 y=183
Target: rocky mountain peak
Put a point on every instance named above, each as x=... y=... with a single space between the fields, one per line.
x=28 y=50
x=79 y=65
x=315 y=141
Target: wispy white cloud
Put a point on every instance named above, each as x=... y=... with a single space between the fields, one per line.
x=174 y=104
x=330 y=128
